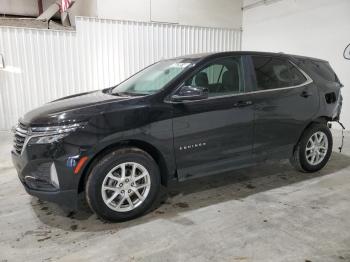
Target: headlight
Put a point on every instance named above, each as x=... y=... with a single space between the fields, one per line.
x=51 y=134
x=47 y=139
x=56 y=129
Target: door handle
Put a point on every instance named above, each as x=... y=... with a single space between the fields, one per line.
x=243 y=103
x=305 y=94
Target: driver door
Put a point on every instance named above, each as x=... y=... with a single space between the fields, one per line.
x=215 y=134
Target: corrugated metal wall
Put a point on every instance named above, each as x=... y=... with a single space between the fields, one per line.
x=43 y=65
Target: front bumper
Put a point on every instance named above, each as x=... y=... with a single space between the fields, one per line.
x=66 y=198
x=44 y=172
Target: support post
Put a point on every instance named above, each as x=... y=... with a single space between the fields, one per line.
x=40 y=6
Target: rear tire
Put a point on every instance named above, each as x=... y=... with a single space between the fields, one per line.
x=123 y=185
x=313 y=149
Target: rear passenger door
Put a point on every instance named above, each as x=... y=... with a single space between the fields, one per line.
x=285 y=100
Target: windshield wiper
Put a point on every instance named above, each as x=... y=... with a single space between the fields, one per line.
x=116 y=94
x=126 y=94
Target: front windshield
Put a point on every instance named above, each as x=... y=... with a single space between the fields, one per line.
x=151 y=79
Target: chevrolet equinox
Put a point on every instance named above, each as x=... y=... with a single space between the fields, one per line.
x=177 y=119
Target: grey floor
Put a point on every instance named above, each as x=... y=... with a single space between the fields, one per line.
x=265 y=213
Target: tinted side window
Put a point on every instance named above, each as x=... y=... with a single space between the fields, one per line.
x=322 y=70
x=221 y=77
x=274 y=73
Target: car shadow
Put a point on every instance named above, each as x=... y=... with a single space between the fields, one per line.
x=190 y=195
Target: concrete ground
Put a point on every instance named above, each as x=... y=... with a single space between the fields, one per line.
x=265 y=213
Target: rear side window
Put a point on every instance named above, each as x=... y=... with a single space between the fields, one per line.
x=272 y=73
x=322 y=69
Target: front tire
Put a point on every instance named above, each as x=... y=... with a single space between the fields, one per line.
x=314 y=149
x=123 y=184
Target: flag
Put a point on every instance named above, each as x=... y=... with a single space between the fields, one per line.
x=65 y=4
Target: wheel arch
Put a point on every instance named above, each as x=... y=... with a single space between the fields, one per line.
x=318 y=120
x=147 y=147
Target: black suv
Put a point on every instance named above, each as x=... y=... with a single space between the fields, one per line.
x=177 y=119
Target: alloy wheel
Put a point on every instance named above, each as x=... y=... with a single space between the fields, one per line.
x=126 y=186
x=316 y=148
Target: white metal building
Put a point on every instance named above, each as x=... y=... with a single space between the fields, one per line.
x=216 y=26
x=266 y=212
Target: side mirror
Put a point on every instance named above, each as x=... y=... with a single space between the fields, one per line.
x=190 y=93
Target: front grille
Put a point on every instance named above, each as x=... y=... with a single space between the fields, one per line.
x=20 y=137
x=22 y=126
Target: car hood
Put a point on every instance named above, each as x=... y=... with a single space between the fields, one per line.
x=73 y=108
